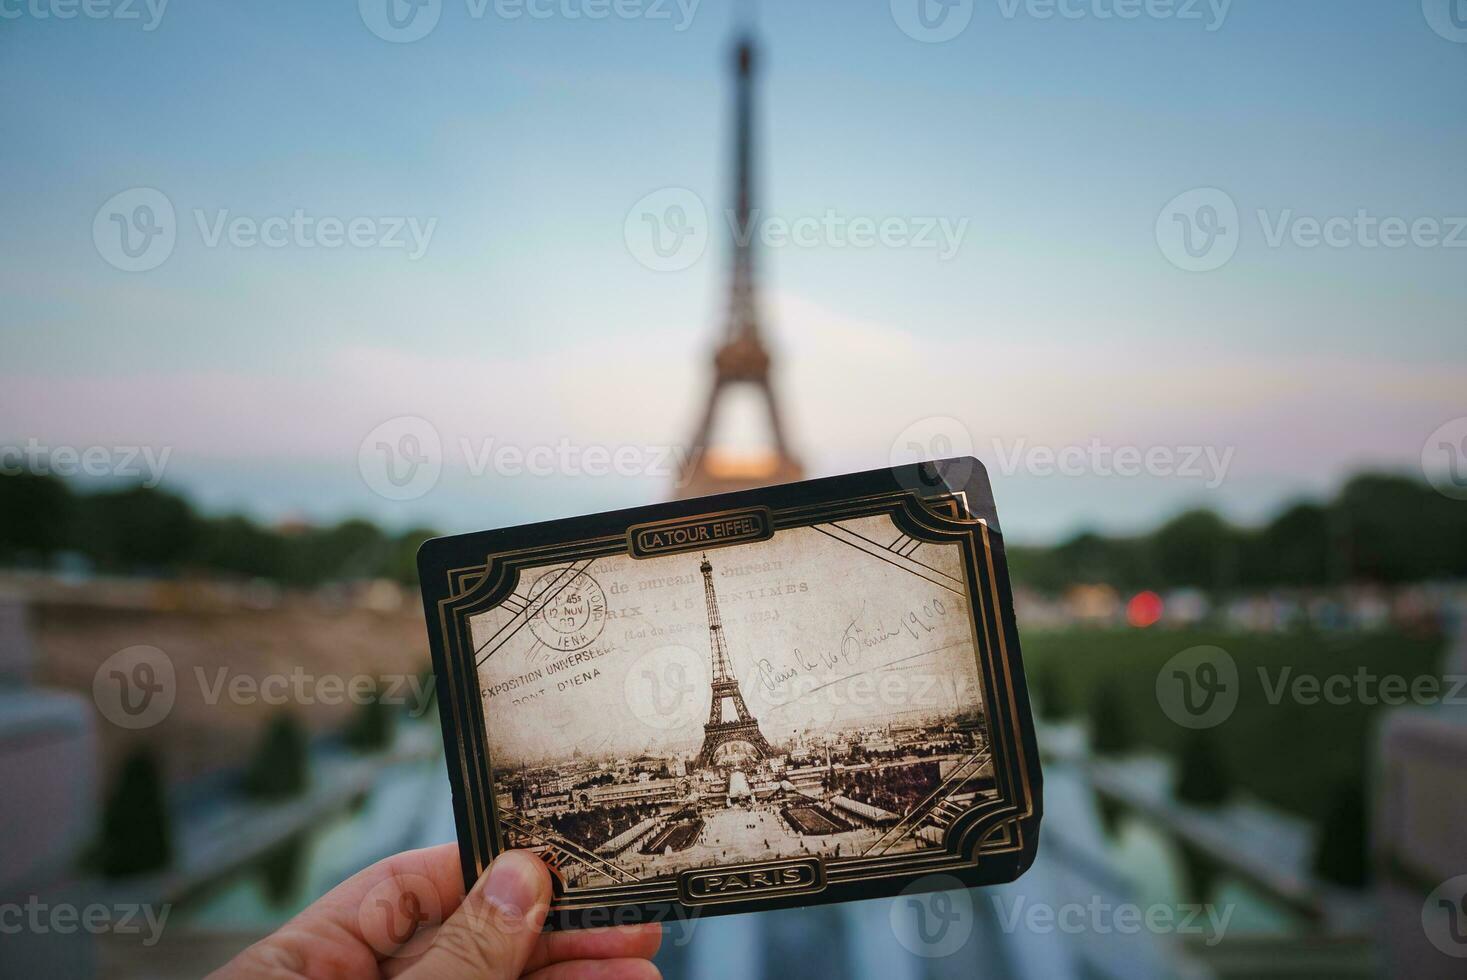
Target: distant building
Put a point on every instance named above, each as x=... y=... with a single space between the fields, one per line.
x=643 y=791
x=865 y=813
x=738 y=787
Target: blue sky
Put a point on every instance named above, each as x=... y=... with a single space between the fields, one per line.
x=528 y=319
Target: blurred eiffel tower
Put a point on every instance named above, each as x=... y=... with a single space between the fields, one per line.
x=741 y=358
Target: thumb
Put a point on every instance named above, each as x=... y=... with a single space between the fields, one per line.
x=493 y=932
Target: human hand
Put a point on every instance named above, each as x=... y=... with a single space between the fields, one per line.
x=408 y=916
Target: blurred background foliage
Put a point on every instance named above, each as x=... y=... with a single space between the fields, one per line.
x=140 y=530
x=1380 y=528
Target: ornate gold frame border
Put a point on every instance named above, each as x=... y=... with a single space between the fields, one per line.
x=993 y=826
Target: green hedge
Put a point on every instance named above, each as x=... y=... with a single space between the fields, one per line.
x=1295 y=756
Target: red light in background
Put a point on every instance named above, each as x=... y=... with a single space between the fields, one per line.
x=1144 y=609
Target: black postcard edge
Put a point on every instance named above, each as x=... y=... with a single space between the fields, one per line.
x=963 y=475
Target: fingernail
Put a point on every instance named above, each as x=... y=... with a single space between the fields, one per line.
x=514 y=882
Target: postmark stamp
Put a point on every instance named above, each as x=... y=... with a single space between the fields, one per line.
x=567 y=609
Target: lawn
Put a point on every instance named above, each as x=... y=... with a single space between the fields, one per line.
x=1298 y=756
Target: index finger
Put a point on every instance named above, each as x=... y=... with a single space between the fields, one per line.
x=608 y=943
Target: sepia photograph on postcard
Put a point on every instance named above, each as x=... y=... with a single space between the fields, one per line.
x=814 y=694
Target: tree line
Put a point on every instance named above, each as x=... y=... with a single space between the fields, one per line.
x=1378 y=528
x=140 y=530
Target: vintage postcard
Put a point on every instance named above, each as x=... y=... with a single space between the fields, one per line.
x=801 y=694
